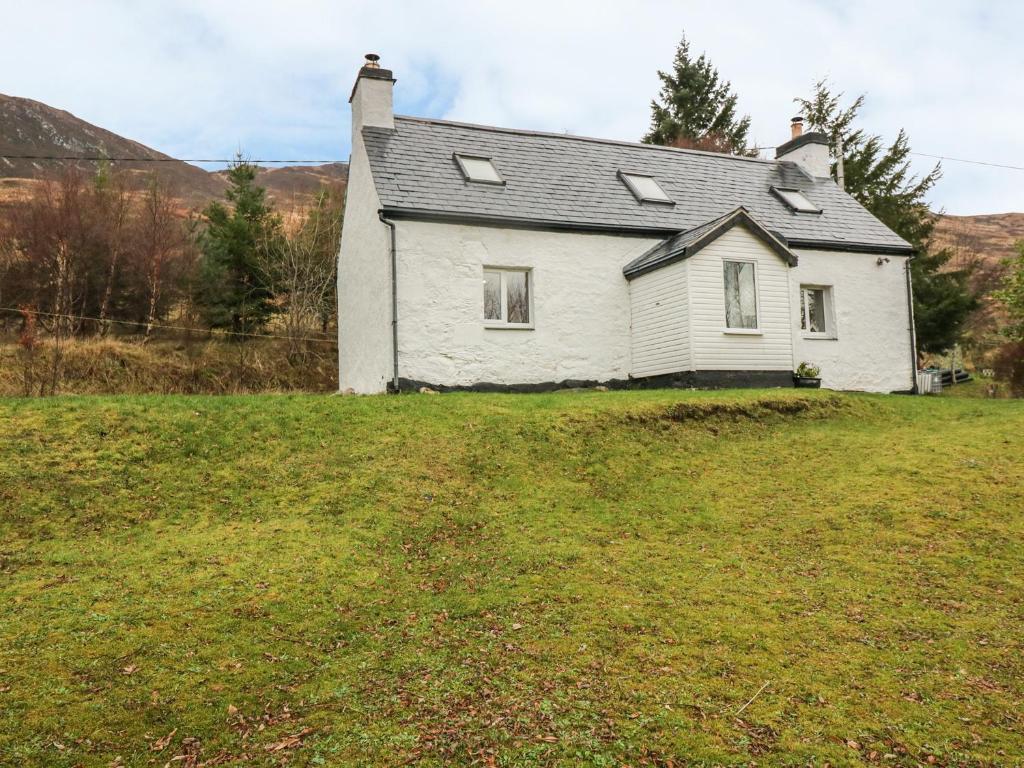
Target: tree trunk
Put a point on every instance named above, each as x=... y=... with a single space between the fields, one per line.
x=108 y=291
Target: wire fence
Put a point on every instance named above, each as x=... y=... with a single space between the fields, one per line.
x=191 y=329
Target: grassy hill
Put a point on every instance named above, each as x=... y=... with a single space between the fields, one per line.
x=644 y=578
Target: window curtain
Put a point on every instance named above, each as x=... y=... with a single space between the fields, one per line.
x=740 y=295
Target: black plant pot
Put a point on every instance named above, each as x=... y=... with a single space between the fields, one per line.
x=806 y=382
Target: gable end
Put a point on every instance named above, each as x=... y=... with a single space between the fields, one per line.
x=686 y=244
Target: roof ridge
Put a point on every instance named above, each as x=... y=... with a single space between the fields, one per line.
x=592 y=139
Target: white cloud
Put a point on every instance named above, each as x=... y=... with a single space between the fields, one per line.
x=204 y=77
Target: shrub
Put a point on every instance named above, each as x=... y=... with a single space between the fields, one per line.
x=808 y=370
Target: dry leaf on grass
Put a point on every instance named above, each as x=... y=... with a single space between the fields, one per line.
x=161 y=744
x=289 y=742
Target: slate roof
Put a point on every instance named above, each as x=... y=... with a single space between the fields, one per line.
x=572 y=182
x=686 y=244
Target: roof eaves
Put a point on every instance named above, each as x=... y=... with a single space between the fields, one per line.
x=838 y=245
x=493 y=220
x=723 y=224
x=742 y=216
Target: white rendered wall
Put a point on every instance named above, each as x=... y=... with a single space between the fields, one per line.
x=813 y=158
x=364 y=285
x=715 y=349
x=580 y=306
x=871 y=351
x=660 y=321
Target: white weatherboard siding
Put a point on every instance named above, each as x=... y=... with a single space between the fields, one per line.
x=364 y=286
x=580 y=305
x=871 y=351
x=660 y=321
x=713 y=348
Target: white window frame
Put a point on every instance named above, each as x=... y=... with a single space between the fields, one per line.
x=828 y=299
x=810 y=208
x=503 y=323
x=459 y=157
x=757 y=302
x=626 y=177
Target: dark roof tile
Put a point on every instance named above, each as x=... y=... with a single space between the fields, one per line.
x=569 y=180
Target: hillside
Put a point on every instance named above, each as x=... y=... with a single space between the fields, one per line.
x=989 y=236
x=981 y=244
x=31 y=128
x=607 y=579
x=296 y=184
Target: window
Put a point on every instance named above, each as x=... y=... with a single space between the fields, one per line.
x=796 y=200
x=740 y=295
x=507 y=298
x=645 y=188
x=816 y=311
x=479 y=169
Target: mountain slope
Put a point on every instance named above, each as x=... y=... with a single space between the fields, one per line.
x=295 y=185
x=990 y=236
x=31 y=128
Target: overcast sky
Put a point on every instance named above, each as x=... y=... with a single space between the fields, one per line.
x=204 y=78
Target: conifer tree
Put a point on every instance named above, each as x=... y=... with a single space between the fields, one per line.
x=696 y=109
x=237 y=245
x=880 y=178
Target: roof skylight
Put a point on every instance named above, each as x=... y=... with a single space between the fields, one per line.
x=796 y=200
x=645 y=188
x=476 y=168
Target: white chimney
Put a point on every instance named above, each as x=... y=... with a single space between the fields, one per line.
x=371 y=96
x=808 y=150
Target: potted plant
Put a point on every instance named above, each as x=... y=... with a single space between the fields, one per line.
x=807 y=376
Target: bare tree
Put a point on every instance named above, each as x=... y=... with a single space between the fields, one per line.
x=48 y=232
x=158 y=238
x=109 y=218
x=301 y=270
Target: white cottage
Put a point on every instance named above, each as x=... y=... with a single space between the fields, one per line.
x=475 y=257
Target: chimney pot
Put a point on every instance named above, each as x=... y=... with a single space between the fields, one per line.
x=796 y=126
x=371 y=61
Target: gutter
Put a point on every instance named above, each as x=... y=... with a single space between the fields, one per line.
x=913 y=329
x=832 y=245
x=417 y=214
x=420 y=214
x=394 y=299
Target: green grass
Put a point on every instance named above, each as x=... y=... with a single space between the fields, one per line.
x=576 y=578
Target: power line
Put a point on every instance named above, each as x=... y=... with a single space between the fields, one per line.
x=972 y=162
x=942 y=157
x=167 y=327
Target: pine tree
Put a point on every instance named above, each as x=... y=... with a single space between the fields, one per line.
x=697 y=110
x=237 y=244
x=880 y=178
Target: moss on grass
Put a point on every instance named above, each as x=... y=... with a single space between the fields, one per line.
x=588 y=578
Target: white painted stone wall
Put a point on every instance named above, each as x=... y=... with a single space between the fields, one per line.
x=812 y=157
x=364 y=285
x=871 y=351
x=581 y=306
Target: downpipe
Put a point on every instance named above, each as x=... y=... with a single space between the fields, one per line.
x=913 y=328
x=394 y=299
